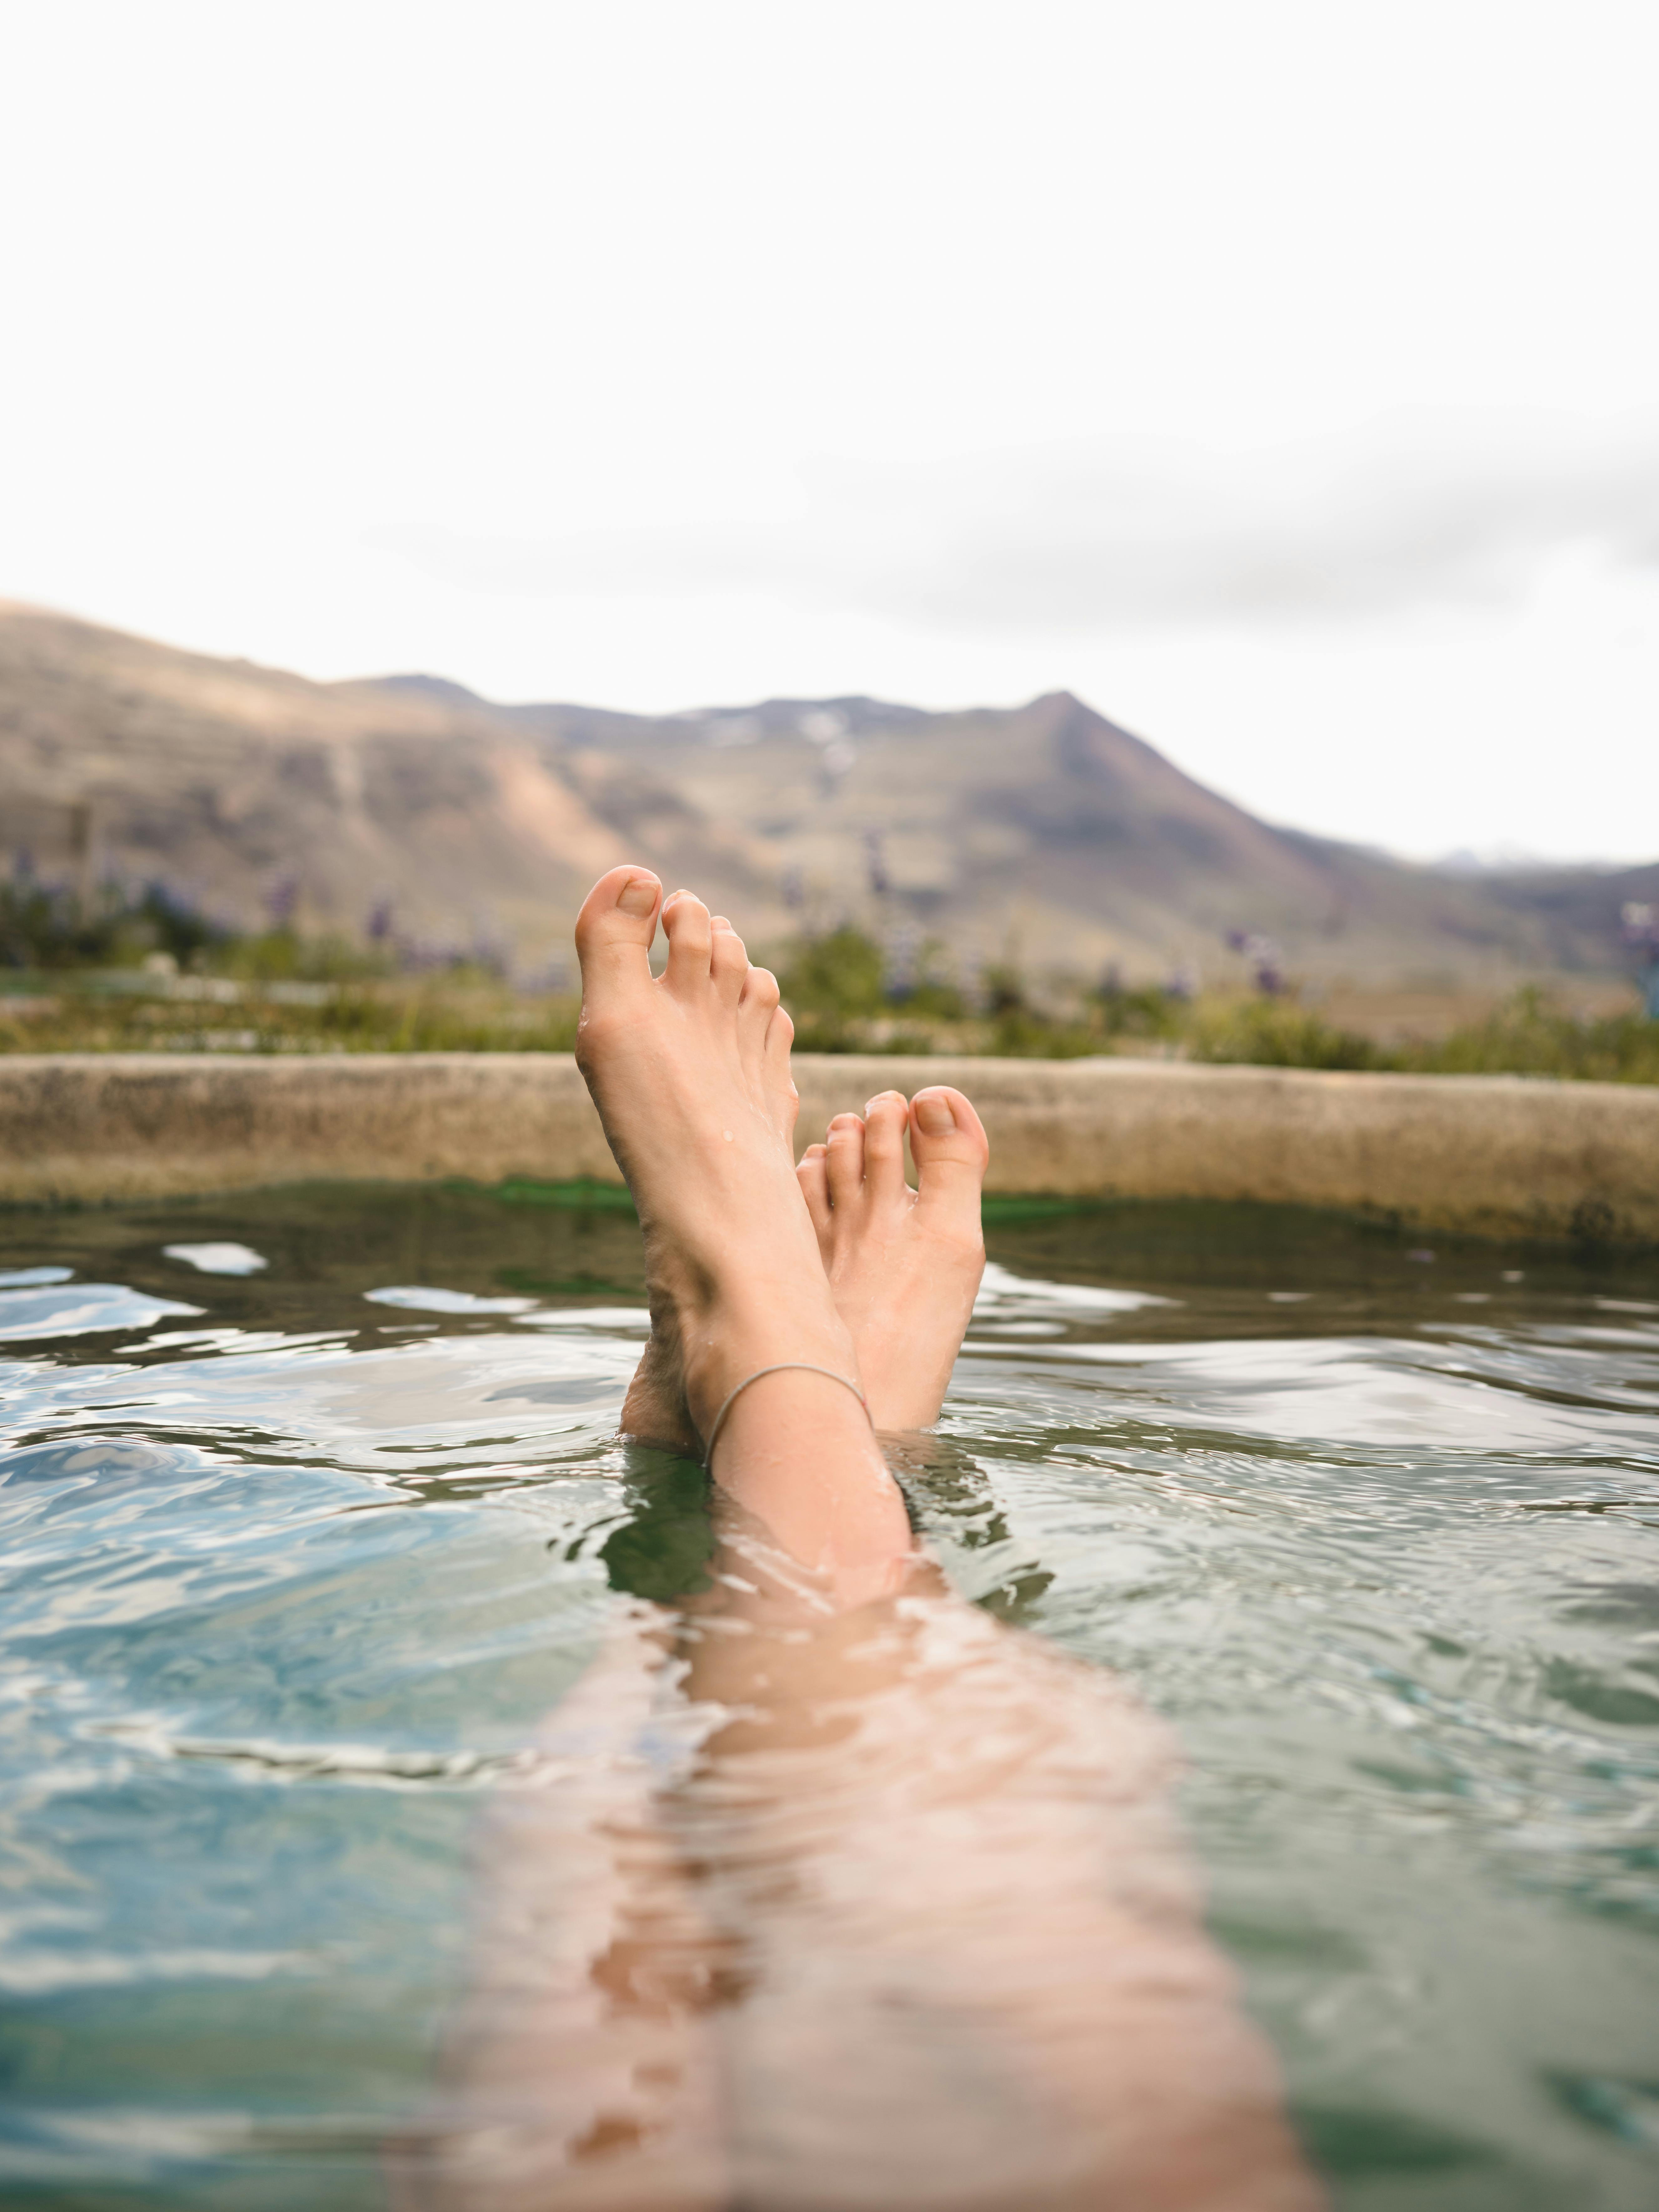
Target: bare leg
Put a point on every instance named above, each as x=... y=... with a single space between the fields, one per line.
x=903 y=1265
x=691 y=1074
x=972 y=1926
x=976 y=1971
x=929 y=1863
x=581 y=2070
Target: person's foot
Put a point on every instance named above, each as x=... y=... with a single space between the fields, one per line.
x=903 y=1264
x=691 y=1074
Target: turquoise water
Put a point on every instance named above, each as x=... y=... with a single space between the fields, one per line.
x=295 y=1559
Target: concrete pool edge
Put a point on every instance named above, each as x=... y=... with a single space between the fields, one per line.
x=1497 y=1155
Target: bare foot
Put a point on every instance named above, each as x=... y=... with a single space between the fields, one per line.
x=691 y=1074
x=903 y=1264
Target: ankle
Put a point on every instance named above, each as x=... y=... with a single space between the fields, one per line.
x=732 y=1338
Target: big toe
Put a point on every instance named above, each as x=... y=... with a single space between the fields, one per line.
x=951 y=1150
x=616 y=925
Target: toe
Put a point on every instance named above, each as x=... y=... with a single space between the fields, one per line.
x=952 y=1152
x=757 y=1005
x=814 y=1176
x=846 y=1161
x=615 y=926
x=728 y=961
x=690 y=936
x=774 y=1066
x=886 y=1120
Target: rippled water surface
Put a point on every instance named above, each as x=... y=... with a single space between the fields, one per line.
x=312 y=1510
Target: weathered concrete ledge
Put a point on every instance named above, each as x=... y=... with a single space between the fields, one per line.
x=1488 y=1155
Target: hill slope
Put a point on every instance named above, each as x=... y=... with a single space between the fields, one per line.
x=230 y=782
x=1043 y=827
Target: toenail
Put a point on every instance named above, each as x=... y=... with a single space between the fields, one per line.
x=934 y=1117
x=638 y=895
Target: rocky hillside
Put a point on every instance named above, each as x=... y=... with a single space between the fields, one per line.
x=1042 y=830
x=245 y=788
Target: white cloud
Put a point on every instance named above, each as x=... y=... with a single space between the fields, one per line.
x=1281 y=377
x=1089 y=539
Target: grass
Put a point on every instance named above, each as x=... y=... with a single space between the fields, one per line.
x=1526 y=1036
x=66 y=1013
x=221 y=1014
x=110 y=982
x=1529 y=1037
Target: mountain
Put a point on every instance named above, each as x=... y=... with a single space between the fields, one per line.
x=231 y=782
x=1042 y=830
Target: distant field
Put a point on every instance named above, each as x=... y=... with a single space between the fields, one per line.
x=123 y=1012
x=1594 y=1033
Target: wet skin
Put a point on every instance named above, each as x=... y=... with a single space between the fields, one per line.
x=906 y=1919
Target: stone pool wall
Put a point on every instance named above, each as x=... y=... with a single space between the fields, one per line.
x=1488 y=1155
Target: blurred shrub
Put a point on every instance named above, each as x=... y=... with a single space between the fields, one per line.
x=1530 y=1035
x=1146 y=1011
x=1527 y=1036
x=834 y=986
x=282 y=955
x=1019 y=1033
x=1276 y=1033
x=1002 y=987
x=48 y=926
x=834 y=978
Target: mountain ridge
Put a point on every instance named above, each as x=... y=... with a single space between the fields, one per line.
x=1044 y=831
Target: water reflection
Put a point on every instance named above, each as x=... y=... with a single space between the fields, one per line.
x=844 y=1910
x=291 y=1579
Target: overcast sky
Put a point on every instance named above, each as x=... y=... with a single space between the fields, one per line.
x=1282 y=378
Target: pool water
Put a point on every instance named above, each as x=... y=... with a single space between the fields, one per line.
x=313 y=1510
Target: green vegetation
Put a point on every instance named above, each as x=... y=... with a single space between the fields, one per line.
x=840 y=990
x=146 y=973
x=836 y=979
x=1529 y=1037
x=1526 y=1036
x=281 y=955
x=1276 y=1032
x=844 y=996
x=190 y=1015
x=43 y=927
x=47 y=927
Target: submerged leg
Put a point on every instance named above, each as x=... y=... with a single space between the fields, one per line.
x=976 y=1970
x=581 y=2070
